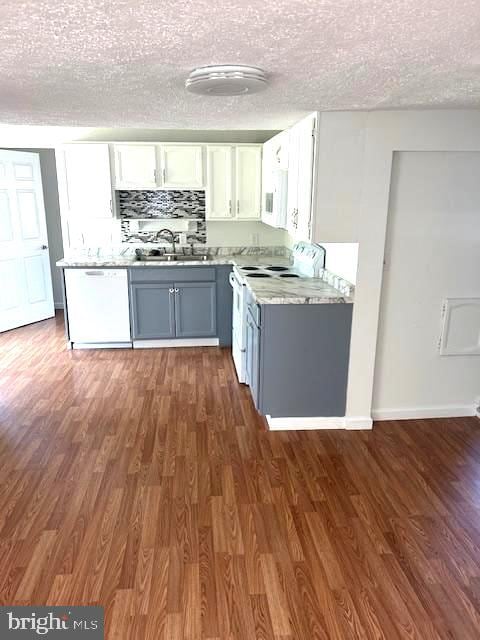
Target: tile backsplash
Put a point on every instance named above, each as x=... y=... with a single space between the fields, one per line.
x=183 y=212
x=162 y=204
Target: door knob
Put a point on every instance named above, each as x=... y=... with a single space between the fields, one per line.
x=44 y=247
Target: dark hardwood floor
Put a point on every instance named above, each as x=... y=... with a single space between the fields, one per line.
x=144 y=481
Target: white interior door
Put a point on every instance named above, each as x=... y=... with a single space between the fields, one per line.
x=25 y=281
x=432 y=253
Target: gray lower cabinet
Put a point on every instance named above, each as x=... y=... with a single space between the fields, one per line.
x=181 y=302
x=153 y=311
x=195 y=310
x=297 y=358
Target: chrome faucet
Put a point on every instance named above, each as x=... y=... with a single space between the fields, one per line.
x=172 y=237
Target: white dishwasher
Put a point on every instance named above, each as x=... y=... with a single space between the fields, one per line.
x=98 y=308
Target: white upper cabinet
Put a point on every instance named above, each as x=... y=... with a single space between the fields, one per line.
x=219 y=194
x=182 y=166
x=135 y=166
x=155 y=166
x=234 y=182
x=301 y=163
x=84 y=174
x=306 y=162
x=248 y=181
x=292 y=193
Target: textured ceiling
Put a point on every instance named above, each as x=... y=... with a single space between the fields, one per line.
x=123 y=63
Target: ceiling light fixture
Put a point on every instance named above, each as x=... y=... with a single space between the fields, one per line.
x=226 y=80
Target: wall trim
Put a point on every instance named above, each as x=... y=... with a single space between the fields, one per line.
x=423 y=413
x=321 y=422
x=176 y=342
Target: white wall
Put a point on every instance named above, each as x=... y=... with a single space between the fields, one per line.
x=238 y=234
x=340 y=176
x=341 y=258
x=432 y=252
x=54 y=228
x=358 y=171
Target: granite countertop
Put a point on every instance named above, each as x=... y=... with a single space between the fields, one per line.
x=327 y=289
x=295 y=291
x=124 y=261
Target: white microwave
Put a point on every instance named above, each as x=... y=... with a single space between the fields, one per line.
x=275 y=202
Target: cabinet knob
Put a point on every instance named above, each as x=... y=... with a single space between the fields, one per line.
x=177 y=290
x=171 y=290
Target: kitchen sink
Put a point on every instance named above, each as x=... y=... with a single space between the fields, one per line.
x=195 y=258
x=172 y=257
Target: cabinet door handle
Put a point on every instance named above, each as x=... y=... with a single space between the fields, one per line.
x=238 y=207
x=155 y=176
x=171 y=290
x=111 y=207
x=230 y=207
x=177 y=290
x=163 y=175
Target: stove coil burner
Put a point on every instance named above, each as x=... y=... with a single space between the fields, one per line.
x=259 y=275
x=277 y=268
x=289 y=275
x=250 y=268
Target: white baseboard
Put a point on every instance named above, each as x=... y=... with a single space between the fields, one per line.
x=176 y=342
x=423 y=413
x=353 y=423
x=101 y=345
x=312 y=423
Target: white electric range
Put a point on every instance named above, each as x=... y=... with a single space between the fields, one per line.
x=307 y=261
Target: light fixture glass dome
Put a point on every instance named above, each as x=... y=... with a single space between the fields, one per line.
x=226 y=80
